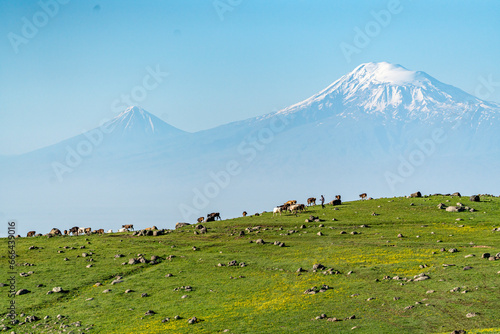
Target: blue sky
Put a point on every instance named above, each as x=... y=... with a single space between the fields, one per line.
x=226 y=60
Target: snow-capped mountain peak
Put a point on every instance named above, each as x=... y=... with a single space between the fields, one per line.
x=392 y=92
x=136 y=121
x=135 y=116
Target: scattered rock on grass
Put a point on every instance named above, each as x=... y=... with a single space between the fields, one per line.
x=22 y=292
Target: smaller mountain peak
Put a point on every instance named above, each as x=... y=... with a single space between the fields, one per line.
x=133 y=110
x=136 y=121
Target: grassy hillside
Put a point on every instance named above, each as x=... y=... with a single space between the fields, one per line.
x=267 y=295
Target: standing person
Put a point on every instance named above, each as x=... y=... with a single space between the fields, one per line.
x=322 y=201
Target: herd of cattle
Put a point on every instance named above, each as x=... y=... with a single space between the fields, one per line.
x=294 y=208
x=80 y=231
x=290 y=206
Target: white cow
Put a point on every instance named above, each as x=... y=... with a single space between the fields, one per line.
x=294 y=207
x=277 y=210
x=81 y=230
x=110 y=231
x=122 y=230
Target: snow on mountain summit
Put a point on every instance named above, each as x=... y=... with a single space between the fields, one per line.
x=384 y=72
x=392 y=92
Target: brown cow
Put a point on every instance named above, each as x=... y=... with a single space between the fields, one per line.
x=363 y=196
x=128 y=226
x=286 y=206
x=201 y=219
x=88 y=230
x=244 y=213
x=74 y=230
x=151 y=228
x=311 y=201
x=291 y=202
x=100 y=231
x=31 y=234
x=214 y=215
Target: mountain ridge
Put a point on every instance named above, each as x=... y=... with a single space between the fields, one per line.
x=381 y=91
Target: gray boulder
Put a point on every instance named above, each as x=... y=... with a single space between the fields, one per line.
x=474 y=198
x=180 y=225
x=454 y=209
x=22 y=292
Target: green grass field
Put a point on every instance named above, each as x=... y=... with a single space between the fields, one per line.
x=267 y=295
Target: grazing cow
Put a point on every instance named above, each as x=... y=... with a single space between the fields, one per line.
x=88 y=230
x=337 y=197
x=244 y=213
x=417 y=194
x=81 y=230
x=296 y=207
x=214 y=215
x=100 y=231
x=201 y=219
x=74 y=230
x=55 y=231
x=128 y=226
x=151 y=228
x=363 y=195
x=293 y=208
x=285 y=206
x=311 y=201
x=31 y=234
x=277 y=210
